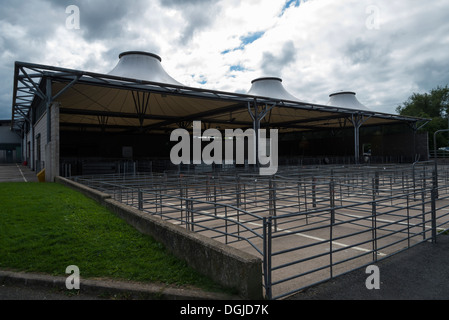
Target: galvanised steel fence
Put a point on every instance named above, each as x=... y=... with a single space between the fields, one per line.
x=308 y=224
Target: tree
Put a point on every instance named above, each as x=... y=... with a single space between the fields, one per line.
x=433 y=105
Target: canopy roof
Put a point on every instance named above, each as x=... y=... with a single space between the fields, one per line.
x=142 y=66
x=346 y=99
x=129 y=100
x=271 y=87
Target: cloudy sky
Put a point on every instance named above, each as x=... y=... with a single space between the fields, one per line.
x=383 y=50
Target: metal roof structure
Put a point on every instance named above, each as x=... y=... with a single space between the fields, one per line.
x=128 y=100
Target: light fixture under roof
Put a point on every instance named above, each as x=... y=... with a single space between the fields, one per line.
x=270 y=87
x=142 y=65
x=347 y=100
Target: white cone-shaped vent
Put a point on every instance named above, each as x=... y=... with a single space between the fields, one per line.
x=270 y=88
x=347 y=100
x=142 y=66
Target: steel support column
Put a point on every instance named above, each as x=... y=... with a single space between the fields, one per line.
x=257 y=118
x=358 y=120
x=48 y=98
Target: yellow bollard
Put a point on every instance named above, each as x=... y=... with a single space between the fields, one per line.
x=41 y=176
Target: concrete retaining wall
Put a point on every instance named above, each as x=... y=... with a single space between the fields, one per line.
x=228 y=266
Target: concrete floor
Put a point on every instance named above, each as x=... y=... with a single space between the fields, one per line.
x=16 y=173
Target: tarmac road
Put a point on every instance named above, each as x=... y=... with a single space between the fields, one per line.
x=16 y=292
x=419 y=273
x=16 y=173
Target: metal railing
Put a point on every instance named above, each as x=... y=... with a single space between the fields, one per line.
x=308 y=224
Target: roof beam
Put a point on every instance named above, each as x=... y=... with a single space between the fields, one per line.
x=197 y=116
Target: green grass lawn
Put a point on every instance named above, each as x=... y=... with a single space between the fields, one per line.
x=45 y=227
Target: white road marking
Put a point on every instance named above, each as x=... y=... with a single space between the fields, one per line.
x=21 y=173
x=296 y=233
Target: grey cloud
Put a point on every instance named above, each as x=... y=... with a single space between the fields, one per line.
x=35 y=18
x=359 y=51
x=177 y=3
x=429 y=74
x=103 y=19
x=272 y=65
x=198 y=14
x=363 y=51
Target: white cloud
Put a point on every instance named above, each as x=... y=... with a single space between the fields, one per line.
x=317 y=48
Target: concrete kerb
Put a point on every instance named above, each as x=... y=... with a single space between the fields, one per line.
x=228 y=266
x=108 y=289
x=96 y=195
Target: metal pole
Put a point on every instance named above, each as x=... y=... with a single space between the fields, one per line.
x=226 y=224
x=332 y=201
x=140 y=200
x=357 y=144
x=256 y=126
x=436 y=158
x=357 y=121
x=423 y=210
x=433 y=212
x=267 y=223
x=374 y=229
x=331 y=259
x=48 y=102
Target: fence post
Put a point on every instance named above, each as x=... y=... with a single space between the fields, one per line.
x=423 y=209
x=433 y=212
x=215 y=196
x=192 y=217
x=314 y=192
x=190 y=224
x=332 y=201
x=181 y=195
x=376 y=182
x=331 y=250
x=226 y=224
x=435 y=182
x=272 y=200
x=374 y=227
x=408 y=220
x=140 y=199
x=414 y=181
x=238 y=191
x=267 y=225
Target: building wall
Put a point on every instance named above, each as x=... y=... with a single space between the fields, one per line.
x=52 y=148
x=40 y=139
x=6 y=135
x=38 y=151
x=29 y=147
x=10 y=144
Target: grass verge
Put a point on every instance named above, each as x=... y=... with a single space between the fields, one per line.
x=45 y=227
